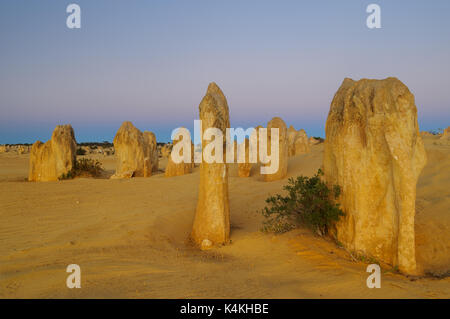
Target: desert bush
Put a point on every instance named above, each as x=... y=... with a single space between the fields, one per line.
x=81 y=151
x=439 y=131
x=320 y=139
x=88 y=167
x=309 y=202
x=84 y=167
x=93 y=145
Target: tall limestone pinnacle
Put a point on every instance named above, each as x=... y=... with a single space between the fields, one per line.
x=214 y=110
x=373 y=150
x=212 y=218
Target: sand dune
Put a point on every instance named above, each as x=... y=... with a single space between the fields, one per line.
x=129 y=238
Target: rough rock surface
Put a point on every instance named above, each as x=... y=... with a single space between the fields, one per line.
x=281 y=173
x=245 y=168
x=212 y=217
x=313 y=141
x=292 y=133
x=133 y=152
x=151 y=138
x=446 y=134
x=257 y=143
x=374 y=151
x=18 y=149
x=23 y=149
x=166 y=149
x=301 y=143
x=51 y=160
x=178 y=169
x=298 y=142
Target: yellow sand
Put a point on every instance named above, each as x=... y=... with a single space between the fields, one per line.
x=129 y=238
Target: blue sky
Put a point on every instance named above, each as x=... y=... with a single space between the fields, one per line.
x=150 y=62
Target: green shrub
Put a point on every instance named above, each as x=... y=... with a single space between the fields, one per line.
x=309 y=202
x=84 y=167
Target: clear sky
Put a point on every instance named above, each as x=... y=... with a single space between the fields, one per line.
x=150 y=62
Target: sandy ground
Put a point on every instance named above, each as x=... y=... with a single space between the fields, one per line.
x=129 y=238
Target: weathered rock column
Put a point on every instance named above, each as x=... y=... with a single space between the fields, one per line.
x=281 y=173
x=50 y=160
x=133 y=151
x=245 y=167
x=446 y=134
x=151 y=141
x=373 y=150
x=178 y=169
x=212 y=218
x=292 y=133
x=301 y=143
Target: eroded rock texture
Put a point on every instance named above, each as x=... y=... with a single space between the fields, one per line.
x=134 y=152
x=51 y=160
x=178 y=169
x=374 y=151
x=446 y=134
x=282 y=159
x=151 y=138
x=212 y=218
x=301 y=143
x=245 y=167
